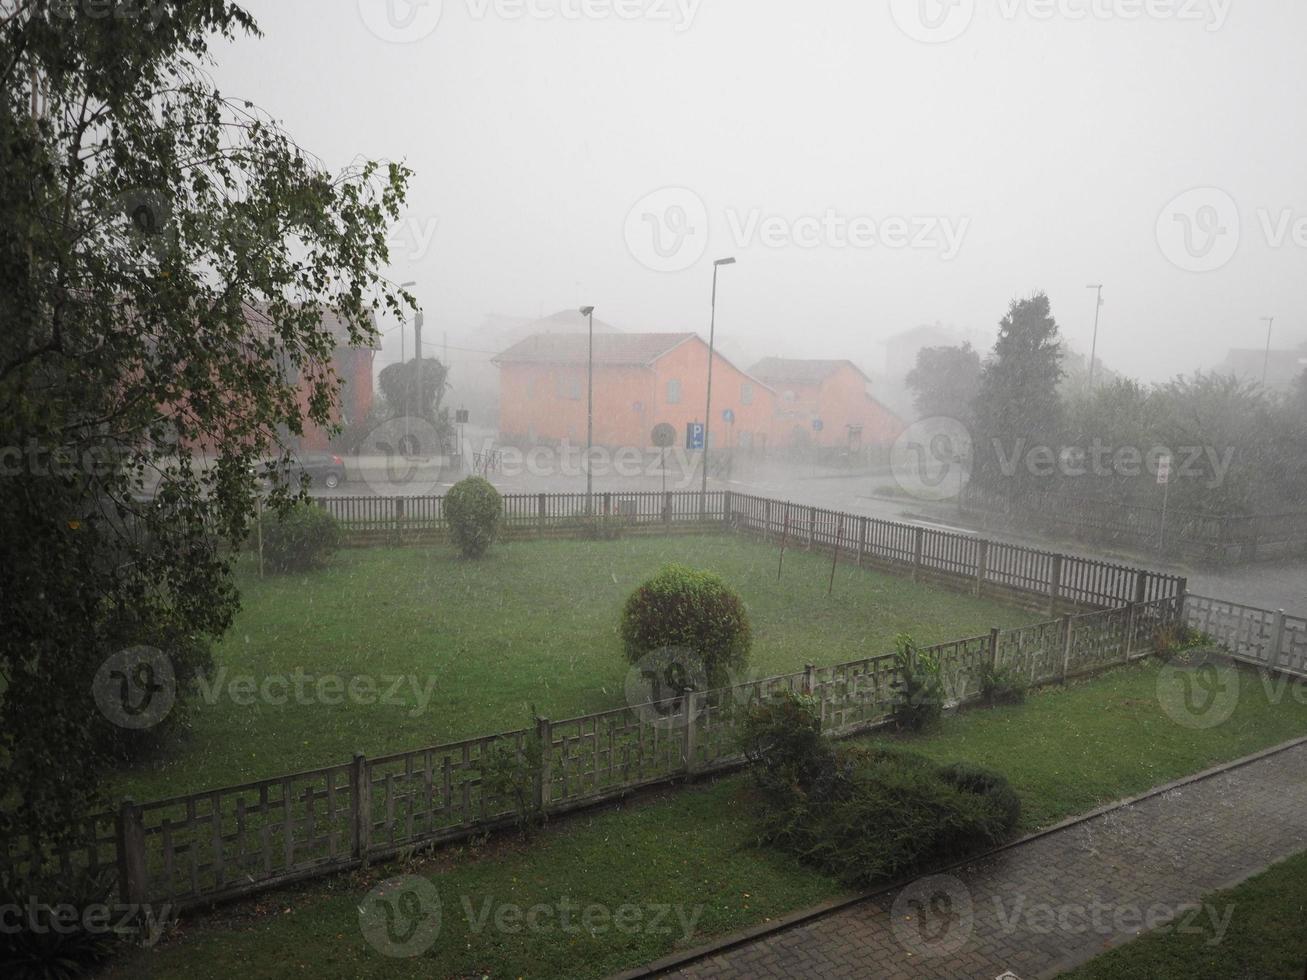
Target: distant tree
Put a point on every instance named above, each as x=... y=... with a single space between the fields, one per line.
x=945 y=382
x=1118 y=415
x=399 y=392
x=1075 y=377
x=168 y=256
x=1018 y=407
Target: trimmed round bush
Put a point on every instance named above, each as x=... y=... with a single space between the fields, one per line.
x=301 y=538
x=473 y=508
x=687 y=609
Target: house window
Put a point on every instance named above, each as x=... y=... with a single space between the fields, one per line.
x=674 y=391
x=746 y=394
x=788 y=396
x=574 y=388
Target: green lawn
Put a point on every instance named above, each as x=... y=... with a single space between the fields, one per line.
x=1065 y=750
x=533 y=623
x=1266 y=939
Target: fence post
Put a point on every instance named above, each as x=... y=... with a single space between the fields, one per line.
x=1055 y=585
x=766 y=527
x=1131 y=624
x=982 y=565
x=540 y=514
x=1277 y=638
x=862 y=538
x=809 y=678
x=130 y=831
x=690 y=698
x=667 y=507
x=360 y=807
x=993 y=648
x=726 y=507
x=918 y=541
x=545 y=777
x=1067 y=633
x=1141 y=586
x=608 y=504
x=812 y=526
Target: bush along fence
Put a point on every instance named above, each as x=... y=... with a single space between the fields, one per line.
x=1027 y=577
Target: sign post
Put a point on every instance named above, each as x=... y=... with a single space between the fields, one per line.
x=663 y=436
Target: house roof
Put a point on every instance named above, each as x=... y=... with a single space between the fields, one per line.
x=611 y=349
x=802 y=371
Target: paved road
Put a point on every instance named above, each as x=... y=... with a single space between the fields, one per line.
x=1055 y=902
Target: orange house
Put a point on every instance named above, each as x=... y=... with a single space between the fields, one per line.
x=640 y=380
x=827 y=403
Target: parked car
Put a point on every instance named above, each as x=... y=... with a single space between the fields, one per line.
x=323 y=469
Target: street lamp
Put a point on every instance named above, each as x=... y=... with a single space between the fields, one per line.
x=1270 y=324
x=1093 y=349
x=707 y=411
x=589 y=313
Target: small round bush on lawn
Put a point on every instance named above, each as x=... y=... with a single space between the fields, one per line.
x=302 y=538
x=693 y=610
x=473 y=509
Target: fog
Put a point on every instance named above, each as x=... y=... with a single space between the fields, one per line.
x=1042 y=148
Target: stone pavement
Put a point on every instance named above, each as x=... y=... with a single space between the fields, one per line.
x=1051 y=903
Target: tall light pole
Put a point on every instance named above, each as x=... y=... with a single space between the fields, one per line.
x=589 y=313
x=707 y=411
x=1093 y=349
x=1266 y=363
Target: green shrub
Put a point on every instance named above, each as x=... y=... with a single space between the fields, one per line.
x=31 y=946
x=301 y=538
x=508 y=775
x=473 y=509
x=1175 y=638
x=695 y=611
x=1001 y=686
x=866 y=814
x=919 y=691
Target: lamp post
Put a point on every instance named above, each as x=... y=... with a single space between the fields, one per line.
x=1093 y=349
x=589 y=313
x=417 y=345
x=1266 y=363
x=707 y=411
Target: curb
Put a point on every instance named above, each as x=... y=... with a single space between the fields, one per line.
x=753 y=933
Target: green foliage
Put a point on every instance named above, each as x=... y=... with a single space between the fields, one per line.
x=945 y=382
x=177 y=275
x=1176 y=638
x=691 y=610
x=301 y=538
x=400 y=396
x=919 y=689
x=510 y=773
x=1001 y=686
x=33 y=947
x=1018 y=402
x=473 y=509
x=867 y=814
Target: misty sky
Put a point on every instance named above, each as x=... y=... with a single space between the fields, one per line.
x=866 y=181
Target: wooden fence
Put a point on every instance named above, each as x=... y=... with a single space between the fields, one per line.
x=223 y=843
x=1028 y=577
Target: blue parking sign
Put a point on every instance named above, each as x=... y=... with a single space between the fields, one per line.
x=817 y=425
x=694 y=435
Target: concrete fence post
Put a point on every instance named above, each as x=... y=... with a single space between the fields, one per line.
x=766 y=527
x=918 y=546
x=130 y=831
x=1055 y=585
x=691 y=706
x=812 y=526
x=862 y=539
x=667 y=507
x=1131 y=624
x=726 y=507
x=982 y=565
x=809 y=678
x=545 y=777
x=540 y=514
x=360 y=807
x=1277 y=639
x=993 y=648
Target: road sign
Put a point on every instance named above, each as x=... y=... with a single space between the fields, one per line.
x=663 y=436
x=693 y=435
x=728 y=416
x=817 y=425
x=1163 y=470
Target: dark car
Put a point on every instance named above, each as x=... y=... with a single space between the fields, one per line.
x=322 y=469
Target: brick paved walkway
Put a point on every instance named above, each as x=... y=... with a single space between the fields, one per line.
x=1057 y=901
